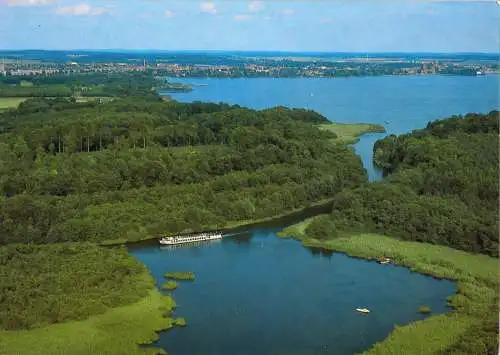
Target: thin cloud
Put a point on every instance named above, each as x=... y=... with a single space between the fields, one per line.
x=288 y=12
x=81 y=10
x=28 y=2
x=169 y=14
x=208 y=7
x=242 y=18
x=324 y=21
x=255 y=6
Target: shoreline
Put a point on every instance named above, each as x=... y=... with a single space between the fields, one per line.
x=327 y=77
x=355 y=130
x=231 y=227
x=475 y=276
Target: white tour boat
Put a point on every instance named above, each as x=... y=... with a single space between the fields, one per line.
x=192 y=238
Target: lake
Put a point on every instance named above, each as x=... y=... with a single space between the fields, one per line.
x=405 y=102
x=257 y=294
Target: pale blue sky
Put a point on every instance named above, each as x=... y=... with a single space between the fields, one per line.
x=333 y=26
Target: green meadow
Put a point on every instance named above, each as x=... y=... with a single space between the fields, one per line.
x=10 y=102
x=349 y=133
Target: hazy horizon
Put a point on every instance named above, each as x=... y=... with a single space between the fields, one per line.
x=123 y=50
x=405 y=26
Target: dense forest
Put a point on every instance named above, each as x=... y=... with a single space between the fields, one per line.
x=87 y=85
x=100 y=172
x=442 y=188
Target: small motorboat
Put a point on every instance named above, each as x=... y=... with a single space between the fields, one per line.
x=363 y=310
x=384 y=261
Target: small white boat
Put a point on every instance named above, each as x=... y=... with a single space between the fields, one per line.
x=385 y=261
x=193 y=238
x=363 y=310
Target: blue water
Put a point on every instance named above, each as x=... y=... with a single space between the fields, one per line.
x=258 y=294
x=406 y=102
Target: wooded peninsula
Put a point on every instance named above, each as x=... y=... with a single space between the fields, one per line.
x=77 y=175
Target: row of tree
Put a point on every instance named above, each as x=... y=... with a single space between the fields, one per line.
x=85 y=84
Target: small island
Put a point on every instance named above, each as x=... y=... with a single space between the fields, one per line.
x=179 y=322
x=181 y=276
x=424 y=309
x=169 y=285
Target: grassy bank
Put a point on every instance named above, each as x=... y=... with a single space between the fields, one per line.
x=250 y=222
x=349 y=133
x=474 y=303
x=297 y=230
x=118 y=331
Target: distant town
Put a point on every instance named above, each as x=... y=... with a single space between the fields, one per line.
x=28 y=63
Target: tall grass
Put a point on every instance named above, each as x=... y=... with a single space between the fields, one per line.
x=116 y=332
x=169 y=285
x=297 y=230
x=180 y=275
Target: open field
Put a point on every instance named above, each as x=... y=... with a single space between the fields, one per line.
x=10 y=102
x=475 y=302
x=13 y=102
x=349 y=133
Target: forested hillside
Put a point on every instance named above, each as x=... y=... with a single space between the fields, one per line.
x=442 y=188
x=137 y=167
